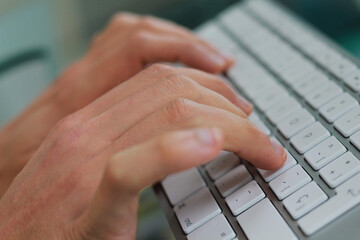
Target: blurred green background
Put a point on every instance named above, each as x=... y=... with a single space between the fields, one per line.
x=39 y=38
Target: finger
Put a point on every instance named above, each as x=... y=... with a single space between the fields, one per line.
x=154 y=48
x=241 y=135
x=123 y=178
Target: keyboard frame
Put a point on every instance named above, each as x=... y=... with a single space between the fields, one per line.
x=348 y=225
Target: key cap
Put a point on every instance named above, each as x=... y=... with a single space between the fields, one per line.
x=309 y=137
x=310 y=82
x=349 y=123
x=244 y=198
x=340 y=169
x=347 y=196
x=282 y=110
x=338 y=107
x=269 y=175
x=304 y=200
x=263 y=221
x=232 y=180
x=323 y=94
x=260 y=124
x=222 y=164
x=217 y=228
x=181 y=185
x=353 y=80
x=342 y=67
x=270 y=99
x=295 y=123
x=324 y=153
x=355 y=139
x=289 y=182
x=196 y=210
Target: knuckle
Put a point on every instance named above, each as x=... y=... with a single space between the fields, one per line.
x=147 y=22
x=178 y=110
x=179 y=83
x=65 y=124
x=159 y=68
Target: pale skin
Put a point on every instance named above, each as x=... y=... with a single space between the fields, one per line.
x=123 y=128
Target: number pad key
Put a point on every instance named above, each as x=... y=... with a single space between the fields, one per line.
x=196 y=210
x=309 y=137
x=289 y=182
x=340 y=169
x=304 y=200
x=324 y=153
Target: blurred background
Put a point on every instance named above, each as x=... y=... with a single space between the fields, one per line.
x=39 y=38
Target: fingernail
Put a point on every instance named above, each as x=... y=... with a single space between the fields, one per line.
x=208 y=136
x=278 y=148
x=218 y=59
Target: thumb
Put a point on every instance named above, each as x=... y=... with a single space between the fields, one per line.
x=112 y=212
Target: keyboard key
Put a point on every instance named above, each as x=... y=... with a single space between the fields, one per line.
x=340 y=169
x=196 y=210
x=269 y=175
x=338 y=107
x=324 y=153
x=217 y=228
x=244 y=198
x=289 y=182
x=270 y=98
x=181 y=185
x=349 y=123
x=355 y=139
x=263 y=221
x=295 y=123
x=232 y=180
x=323 y=94
x=342 y=67
x=310 y=82
x=222 y=164
x=282 y=110
x=309 y=137
x=353 y=80
x=347 y=196
x=260 y=124
x=304 y=200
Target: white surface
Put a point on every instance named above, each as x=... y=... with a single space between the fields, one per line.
x=282 y=110
x=232 y=180
x=217 y=228
x=289 y=182
x=222 y=164
x=263 y=221
x=309 y=137
x=179 y=186
x=196 y=210
x=340 y=169
x=295 y=123
x=353 y=80
x=323 y=94
x=244 y=198
x=304 y=200
x=338 y=107
x=349 y=123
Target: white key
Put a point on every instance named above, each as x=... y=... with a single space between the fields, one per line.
x=181 y=185
x=244 y=198
x=295 y=123
x=338 y=107
x=289 y=182
x=269 y=99
x=349 y=123
x=309 y=137
x=263 y=221
x=232 y=180
x=342 y=68
x=269 y=175
x=196 y=210
x=304 y=200
x=260 y=124
x=222 y=164
x=347 y=196
x=355 y=139
x=353 y=80
x=324 y=153
x=217 y=228
x=340 y=169
x=310 y=82
x=282 y=110
x=323 y=94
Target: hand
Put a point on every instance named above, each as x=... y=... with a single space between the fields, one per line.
x=84 y=180
x=128 y=44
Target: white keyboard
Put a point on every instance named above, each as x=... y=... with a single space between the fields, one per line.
x=306 y=96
